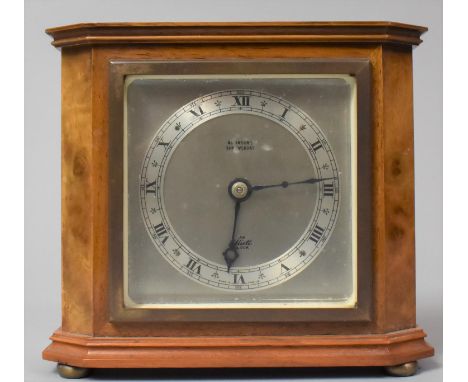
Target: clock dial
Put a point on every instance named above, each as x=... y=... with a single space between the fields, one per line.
x=239 y=191
x=270 y=174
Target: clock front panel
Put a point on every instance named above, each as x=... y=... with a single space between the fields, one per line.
x=239 y=191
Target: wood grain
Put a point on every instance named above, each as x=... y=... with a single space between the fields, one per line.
x=353 y=350
x=231 y=33
x=77 y=192
x=398 y=188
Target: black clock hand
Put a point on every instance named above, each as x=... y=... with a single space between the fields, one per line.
x=287 y=184
x=239 y=190
x=230 y=254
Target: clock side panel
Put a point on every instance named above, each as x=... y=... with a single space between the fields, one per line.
x=77 y=191
x=397 y=254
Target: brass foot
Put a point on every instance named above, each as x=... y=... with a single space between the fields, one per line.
x=404 y=370
x=72 y=372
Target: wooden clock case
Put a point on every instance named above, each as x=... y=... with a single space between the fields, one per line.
x=89 y=336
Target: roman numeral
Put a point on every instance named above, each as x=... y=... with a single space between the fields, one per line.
x=284 y=268
x=161 y=232
x=193 y=266
x=328 y=189
x=317 y=145
x=316 y=234
x=151 y=188
x=242 y=100
x=284 y=113
x=197 y=114
x=238 y=279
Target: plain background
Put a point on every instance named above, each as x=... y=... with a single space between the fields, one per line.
x=42 y=159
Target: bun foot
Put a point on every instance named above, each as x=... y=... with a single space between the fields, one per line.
x=404 y=370
x=72 y=372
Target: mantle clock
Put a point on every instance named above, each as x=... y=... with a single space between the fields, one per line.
x=237 y=195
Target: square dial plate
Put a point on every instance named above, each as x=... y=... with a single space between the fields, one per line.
x=186 y=138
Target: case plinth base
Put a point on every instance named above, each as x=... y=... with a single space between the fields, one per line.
x=387 y=349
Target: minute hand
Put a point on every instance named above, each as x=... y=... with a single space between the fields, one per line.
x=287 y=184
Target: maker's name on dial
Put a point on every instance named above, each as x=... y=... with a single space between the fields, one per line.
x=240 y=145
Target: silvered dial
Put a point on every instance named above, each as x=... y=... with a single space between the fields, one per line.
x=269 y=175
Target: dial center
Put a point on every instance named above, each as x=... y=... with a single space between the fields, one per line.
x=239 y=189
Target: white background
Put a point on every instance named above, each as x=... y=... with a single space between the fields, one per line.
x=42 y=156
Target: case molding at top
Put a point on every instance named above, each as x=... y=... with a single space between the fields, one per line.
x=360 y=32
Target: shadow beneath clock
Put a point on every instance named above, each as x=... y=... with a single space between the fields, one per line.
x=242 y=374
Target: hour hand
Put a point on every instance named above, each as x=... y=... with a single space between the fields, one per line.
x=286 y=184
x=230 y=254
x=239 y=190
